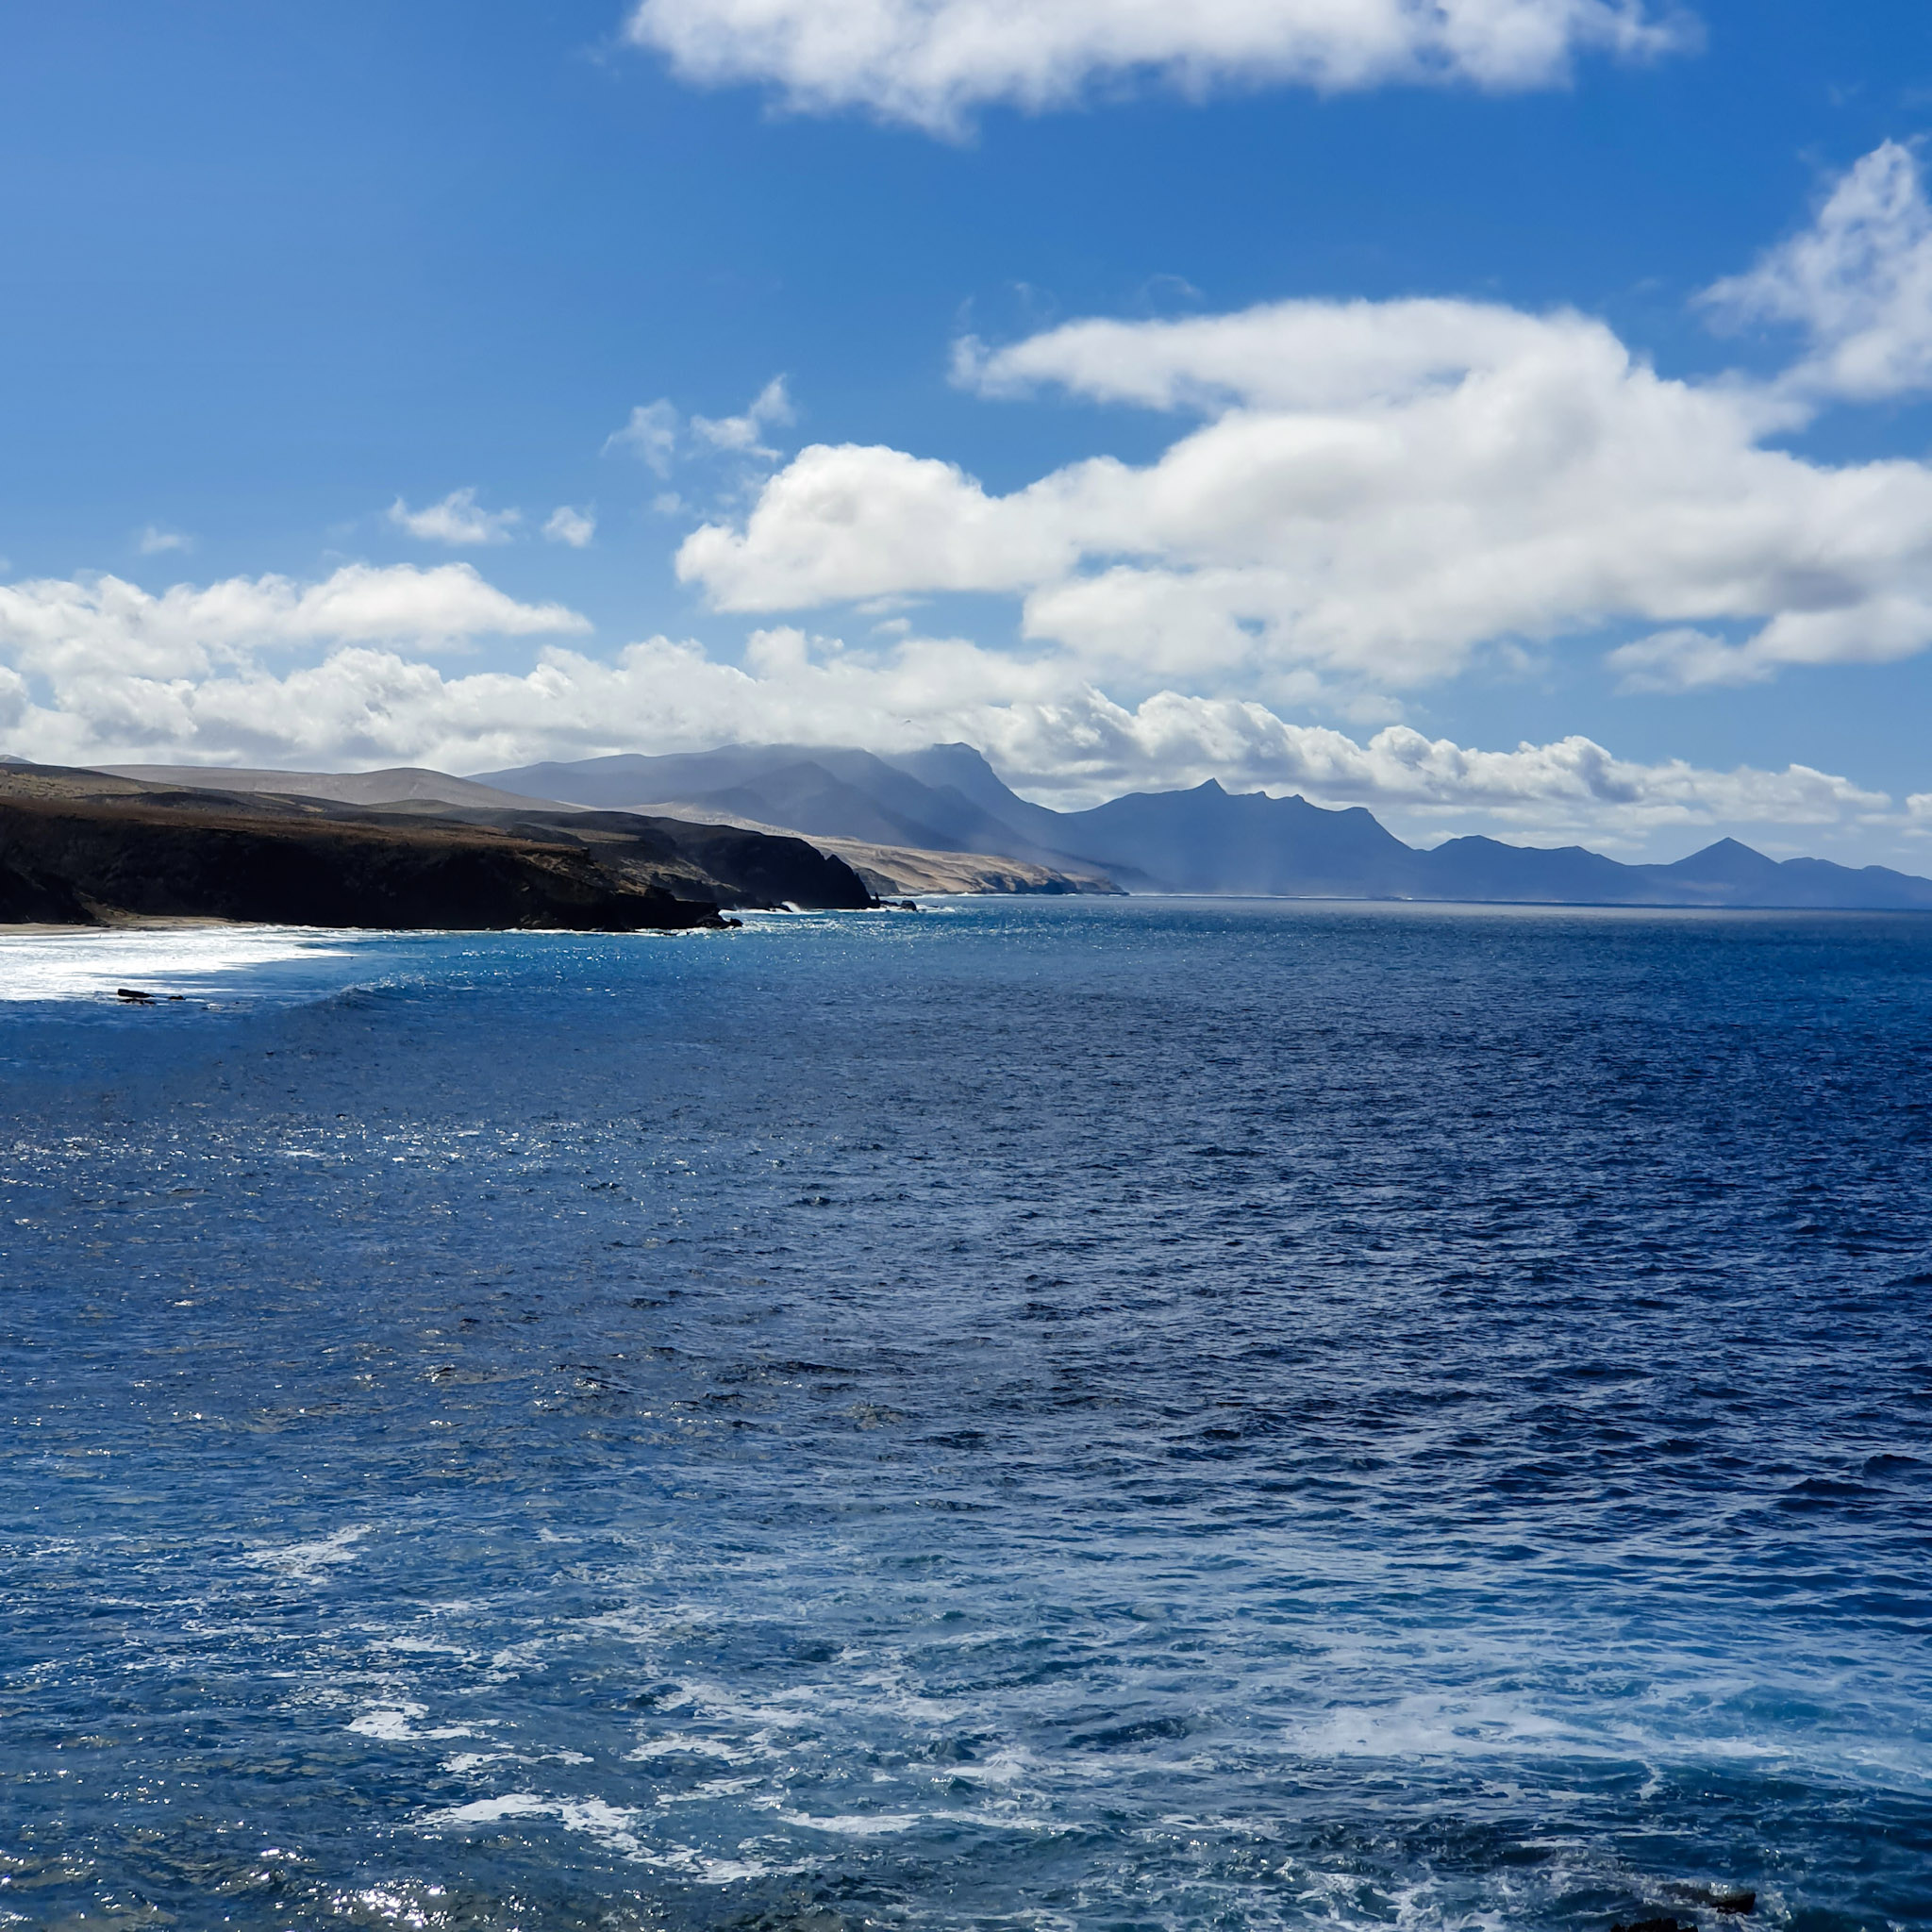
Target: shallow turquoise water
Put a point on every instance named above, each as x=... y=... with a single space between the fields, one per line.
x=1068 y=1415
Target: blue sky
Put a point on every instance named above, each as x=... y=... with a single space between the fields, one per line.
x=280 y=281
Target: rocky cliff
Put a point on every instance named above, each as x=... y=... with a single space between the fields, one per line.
x=84 y=848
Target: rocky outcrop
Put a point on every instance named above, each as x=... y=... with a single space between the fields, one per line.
x=894 y=869
x=81 y=848
x=725 y=865
x=83 y=863
x=31 y=897
x=891 y=870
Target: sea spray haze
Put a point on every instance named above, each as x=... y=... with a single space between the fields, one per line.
x=1031 y=1415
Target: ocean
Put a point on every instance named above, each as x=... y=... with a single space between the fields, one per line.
x=1121 y=1415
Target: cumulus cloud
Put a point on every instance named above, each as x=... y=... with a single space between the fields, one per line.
x=933 y=63
x=155 y=542
x=650 y=434
x=1378 y=493
x=99 y=633
x=657 y=434
x=571 y=525
x=100 y=671
x=1874 y=631
x=770 y=407
x=457 y=521
x=1094 y=747
x=1857 y=282
x=94 y=666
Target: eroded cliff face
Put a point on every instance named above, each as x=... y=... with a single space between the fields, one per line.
x=724 y=864
x=78 y=848
x=89 y=863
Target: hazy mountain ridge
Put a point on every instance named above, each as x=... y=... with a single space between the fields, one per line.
x=841 y=792
x=947 y=798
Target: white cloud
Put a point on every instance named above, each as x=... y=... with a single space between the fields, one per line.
x=1302 y=356
x=1857 y=282
x=1874 y=631
x=741 y=434
x=651 y=435
x=103 y=634
x=1377 y=494
x=154 y=540
x=1684 y=658
x=933 y=63
x=99 y=672
x=457 y=521
x=1092 y=748
x=845 y=522
x=657 y=434
x=571 y=525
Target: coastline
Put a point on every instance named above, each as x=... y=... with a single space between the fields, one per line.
x=78 y=850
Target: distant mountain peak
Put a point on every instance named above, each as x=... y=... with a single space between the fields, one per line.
x=1202 y=839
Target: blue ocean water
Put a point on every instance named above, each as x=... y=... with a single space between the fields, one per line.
x=1029 y=1415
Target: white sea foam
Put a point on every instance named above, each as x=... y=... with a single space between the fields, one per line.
x=609 y=1826
x=715 y=1788
x=427 y=1645
x=1003 y=1767
x=389 y=1724
x=490 y=1810
x=159 y=960
x=856 y=1825
x=1427 y=1726
x=311 y=1558
x=616 y=1828
x=1009 y=1821
x=688 y=1747
x=395 y=1723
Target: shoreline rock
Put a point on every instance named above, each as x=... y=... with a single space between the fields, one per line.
x=80 y=849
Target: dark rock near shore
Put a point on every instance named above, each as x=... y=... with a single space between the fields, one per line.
x=31 y=897
x=724 y=864
x=81 y=848
x=1739 y=1903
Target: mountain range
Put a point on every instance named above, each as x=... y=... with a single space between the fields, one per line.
x=947 y=798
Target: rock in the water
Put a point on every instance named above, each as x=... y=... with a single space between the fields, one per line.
x=1738 y=1901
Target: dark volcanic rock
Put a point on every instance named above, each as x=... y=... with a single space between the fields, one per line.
x=724 y=864
x=1739 y=1903
x=765 y=870
x=70 y=858
x=29 y=898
